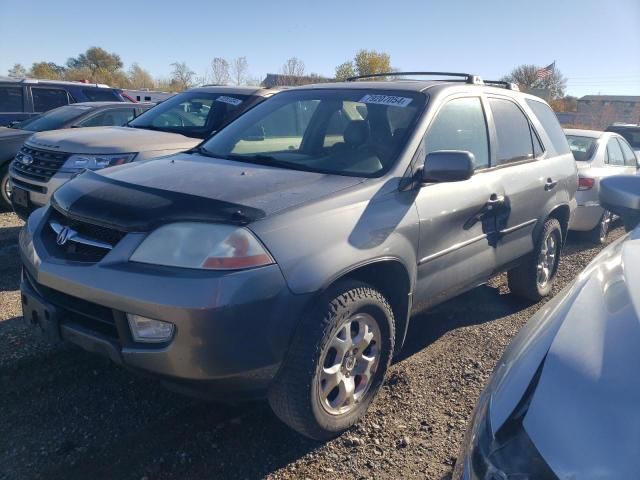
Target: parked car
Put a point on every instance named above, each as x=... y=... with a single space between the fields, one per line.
x=630 y=132
x=24 y=98
x=285 y=255
x=175 y=125
x=84 y=114
x=563 y=400
x=598 y=155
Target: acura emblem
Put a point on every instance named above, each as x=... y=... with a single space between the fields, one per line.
x=64 y=235
x=26 y=159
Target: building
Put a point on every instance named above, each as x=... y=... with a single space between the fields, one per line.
x=599 y=111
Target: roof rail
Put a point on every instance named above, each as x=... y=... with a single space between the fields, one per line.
x=468 y=77
x=500 y=83
x=45 y=80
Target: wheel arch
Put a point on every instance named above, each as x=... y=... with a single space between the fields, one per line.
x=562 y=213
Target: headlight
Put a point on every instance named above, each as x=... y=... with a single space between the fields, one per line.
x=96 y=162
x=203 y=246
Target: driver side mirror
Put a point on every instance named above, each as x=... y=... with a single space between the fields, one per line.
x=620 y=194
x=448 y=166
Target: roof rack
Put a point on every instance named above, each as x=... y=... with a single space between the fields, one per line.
x=468 y=78
x=500 y=83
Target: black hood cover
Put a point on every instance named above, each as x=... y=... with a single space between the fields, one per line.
x=102 y=200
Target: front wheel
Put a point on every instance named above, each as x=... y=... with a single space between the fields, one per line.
x=5 y=188
x=534 y=278
x=336 y=362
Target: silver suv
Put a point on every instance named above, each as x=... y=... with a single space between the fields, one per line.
x=49 y=159
x=286 y=255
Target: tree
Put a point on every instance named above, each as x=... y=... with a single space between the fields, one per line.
x=17 y=71
x=47 y=70
x=365 y=62
x=525 y=76
x=182 y=77
x=292 y=72
x=140 y=78
x=240 y=70
x=345 y=70
x=96 y=58
x=220 y=71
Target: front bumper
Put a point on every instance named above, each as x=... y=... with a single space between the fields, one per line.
x=39 y=192
x=232 y=329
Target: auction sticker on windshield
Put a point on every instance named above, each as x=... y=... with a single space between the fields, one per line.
x=386 y=100
x=229 y=100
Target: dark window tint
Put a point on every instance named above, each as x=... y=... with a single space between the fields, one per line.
x=513 y=132
x=115 y=117
x=11 y=99
x=45 y=99
x=100 y=95
x=460 y=125
x=537 y=145
x=614 y=153
x=551 y=125
x=627 y=153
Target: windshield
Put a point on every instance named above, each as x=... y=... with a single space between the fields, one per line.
x=53 y=119
x=582 y=148
x=344 y=132
x=193 y=114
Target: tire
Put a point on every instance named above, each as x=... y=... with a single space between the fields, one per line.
x=525 y=279
x=5 y=200
x=598 y=236
x=302 y=395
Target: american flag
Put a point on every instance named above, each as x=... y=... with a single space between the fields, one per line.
x=546 y=71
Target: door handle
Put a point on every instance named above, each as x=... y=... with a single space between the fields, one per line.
x=550 y=185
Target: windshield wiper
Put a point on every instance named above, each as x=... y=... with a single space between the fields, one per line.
x=261 y=159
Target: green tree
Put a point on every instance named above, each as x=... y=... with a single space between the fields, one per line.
x=139 y=77
x=526 y=77
x=47 y=70
x=17 y=71
x=96 y=58
x=365 y=62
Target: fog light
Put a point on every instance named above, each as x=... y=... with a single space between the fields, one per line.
x=146 y=329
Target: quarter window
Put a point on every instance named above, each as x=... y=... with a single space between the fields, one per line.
x=45 y=99
x=550 y=123
x=627 y=153
x=11 y=99
x=461 y=125
x=513 y=132
x=614 y=153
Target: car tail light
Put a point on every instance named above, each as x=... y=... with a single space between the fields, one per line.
x=585 y=183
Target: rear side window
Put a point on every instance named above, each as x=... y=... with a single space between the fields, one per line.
x=614 y=153
x=461 y=125
x=45 y=99
x=513 y=132
x=550 y=123
x=100 y=95
x=627 y=153
x=11 y=99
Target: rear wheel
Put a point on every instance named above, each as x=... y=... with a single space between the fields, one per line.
x=600 y=233
x=534 y=278
x=5 y=188
x=336 y=362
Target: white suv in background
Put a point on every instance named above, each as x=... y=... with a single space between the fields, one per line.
x=49 y=159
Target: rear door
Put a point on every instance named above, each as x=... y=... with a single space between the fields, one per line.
x=12 y=104
x=48 y=98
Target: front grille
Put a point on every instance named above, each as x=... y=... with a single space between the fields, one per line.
x=78 y=311
x=90 y=245
x=43 y=165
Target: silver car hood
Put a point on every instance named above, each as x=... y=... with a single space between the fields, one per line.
x=584 y=416
x=110 y=140
x=7 y=133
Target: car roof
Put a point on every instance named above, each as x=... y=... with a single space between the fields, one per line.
x=108 y=104
x=36 y=81
x=231 y=90
x=584 y=132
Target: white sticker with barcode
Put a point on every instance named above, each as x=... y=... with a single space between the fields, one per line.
x=390 y=100
x=229 y=100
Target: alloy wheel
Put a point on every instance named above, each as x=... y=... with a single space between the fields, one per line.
x=605 y=223
x=547 y=260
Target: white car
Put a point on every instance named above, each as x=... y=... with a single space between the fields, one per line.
x=598 y=155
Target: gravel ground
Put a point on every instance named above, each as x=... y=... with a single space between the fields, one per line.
x=66 y=414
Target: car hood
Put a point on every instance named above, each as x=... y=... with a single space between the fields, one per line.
x=190 y=187
x=13 y=134
x=111 y=140
x=584 y=417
